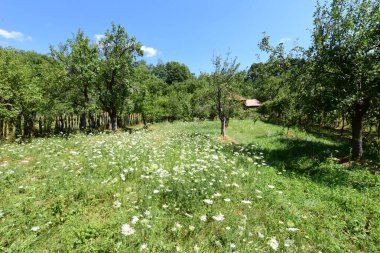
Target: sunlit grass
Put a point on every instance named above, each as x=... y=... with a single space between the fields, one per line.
x=177 y=188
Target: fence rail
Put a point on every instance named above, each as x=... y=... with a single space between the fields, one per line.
x=36 y=125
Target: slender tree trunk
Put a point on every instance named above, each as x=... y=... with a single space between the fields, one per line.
x=378 y=128
x=360 y=108
x=18 y=130
x=40 y=126
x=223 y=126
x=357 y=137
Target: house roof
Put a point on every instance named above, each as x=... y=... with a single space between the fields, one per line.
x=252 y=103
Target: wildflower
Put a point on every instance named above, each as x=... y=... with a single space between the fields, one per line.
x=288 y=242
x=293 y=229
x=270 y=186
x=122 y=176
x=203 y=217
x=217 y=195
x=178 y=248
x=116 y=204
x=260 y=235
x=232 y=245
x=227 y=200
x=196 y=248
x=274 y=244
x=143 y=247
x=35 y=228
x=135 y=219
x=208 y=201
x=126 y=230
x=191 y=228
x=246 y=202
x=156 y=191
x=219 y=217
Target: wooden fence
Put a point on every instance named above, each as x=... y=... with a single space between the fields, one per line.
x=35 y=125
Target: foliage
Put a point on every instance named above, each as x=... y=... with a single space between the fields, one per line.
x=80 y=59
x=346 y=56
x=172 y=72
x=117 y=52
x=223 y=80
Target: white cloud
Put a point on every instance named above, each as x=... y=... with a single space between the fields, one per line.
x=98 y=37
x=14 y=35
x=285 y=40
x=149 y=51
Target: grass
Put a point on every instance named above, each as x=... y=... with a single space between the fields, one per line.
x=178 y=188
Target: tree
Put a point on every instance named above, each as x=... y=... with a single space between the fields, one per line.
x=223 y=80
x=117 y=53
x=146 y=90
x=21 y=94
x=172 y=72
x=81 y=61
x=346 y=53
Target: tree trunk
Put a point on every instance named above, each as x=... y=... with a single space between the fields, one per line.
x=357 y=137
x=18 y=125
x=223 y=127
x=378 y=128
x=144 y=119
x=40 y=126
x=360 y=109
x=113 y=120
x=82 y=124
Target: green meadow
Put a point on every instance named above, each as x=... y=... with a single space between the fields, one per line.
x=180 y=188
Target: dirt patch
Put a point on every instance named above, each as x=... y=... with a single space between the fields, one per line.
x=227 y=139
x=4 y=163
x=27 y=160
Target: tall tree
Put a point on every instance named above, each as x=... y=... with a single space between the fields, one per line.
x=172 y=72
x=81 y=61
x=118 y=51
x=346 y=46
x=223 y=80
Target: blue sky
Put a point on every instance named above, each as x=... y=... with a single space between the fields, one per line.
x=188 y=31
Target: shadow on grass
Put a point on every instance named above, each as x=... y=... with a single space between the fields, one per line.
x=312 y=159
x=318 y=131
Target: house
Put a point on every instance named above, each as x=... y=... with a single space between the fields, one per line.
x=251 y=103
